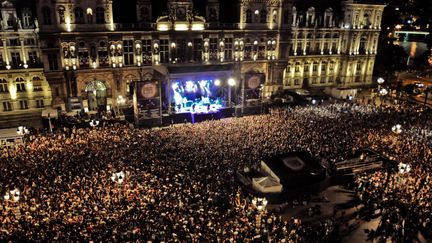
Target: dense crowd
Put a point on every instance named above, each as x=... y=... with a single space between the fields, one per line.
x=179 y=181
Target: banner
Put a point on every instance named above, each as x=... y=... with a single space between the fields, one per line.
x=147 y=103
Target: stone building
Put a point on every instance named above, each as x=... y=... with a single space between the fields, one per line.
x=24 y=90
x=90 y=58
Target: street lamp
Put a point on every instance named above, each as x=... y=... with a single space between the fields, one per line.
x=380 y=80
x=217 y=82
x=231 y=83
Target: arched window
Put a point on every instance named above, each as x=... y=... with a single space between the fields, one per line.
x=79 y=15
x=263 y=16
x=248 y=16
x=100 y=15
x=61 y=12
x=46 y=15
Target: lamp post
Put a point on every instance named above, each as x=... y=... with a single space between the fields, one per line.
x=231 y=83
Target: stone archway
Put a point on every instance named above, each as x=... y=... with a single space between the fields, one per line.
x=97 y=95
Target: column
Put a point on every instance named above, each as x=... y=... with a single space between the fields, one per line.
x=23 y=54
x=5 y=51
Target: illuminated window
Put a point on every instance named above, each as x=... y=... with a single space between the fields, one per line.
x=128 y=52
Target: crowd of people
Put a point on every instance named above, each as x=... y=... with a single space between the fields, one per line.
x=178 y=183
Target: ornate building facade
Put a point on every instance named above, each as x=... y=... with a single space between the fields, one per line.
x=90 y=60
x=24 y=90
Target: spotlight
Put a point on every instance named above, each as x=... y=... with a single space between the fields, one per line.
x=231 y=82
x=217 y=82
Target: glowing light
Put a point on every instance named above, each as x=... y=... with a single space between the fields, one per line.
x=255 y=42
x=8 y=67
x=189 y=44
x=180 y=27
x=190 y=86
x=217 y=82
x=94 y=65
x=173 y=44
x=89 y=11
x=25 y=65
x=380 y=80
x=162 y=27
x=256 y=12
x=231 y=82
x=198 y=26
x=383 y=92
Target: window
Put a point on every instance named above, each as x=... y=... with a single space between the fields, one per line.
x=358 y=69
x=3 y=86
x=30 y=41
x=52 y=62
x=147 y=51
x=315 y=67
x=10 y=21
x=296 y=81
x=13 y=42
x=20 y=85
x=362 y=47
x=128 y=52
x=7 y=106
x=297 y=67
x=1 y=60
x=323 y=67
x=213 y=48
x=46 y=15
x=306 y=68
x=27 y=19
x=145 y=14
x=23 y=104
x=33 y=58
x=40 y=103
x=228 y=49
x=197 y=50
x=322 y=80
x=83 y=57
x=61 y=12
x=164 y=51
x=103 y=58
x=100 y=15
x=263 y=16
x=16 y=59
x=248 y=16
x=79 y=15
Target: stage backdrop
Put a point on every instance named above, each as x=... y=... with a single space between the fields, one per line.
x=147 y=103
